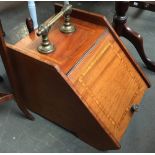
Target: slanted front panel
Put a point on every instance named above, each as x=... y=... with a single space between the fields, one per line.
x=109 y=84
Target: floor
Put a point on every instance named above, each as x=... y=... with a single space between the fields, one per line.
x=18 y=134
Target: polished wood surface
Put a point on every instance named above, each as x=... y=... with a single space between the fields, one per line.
x=74 y=44
x=47 y=91
x=87 y=85
x=109 y=85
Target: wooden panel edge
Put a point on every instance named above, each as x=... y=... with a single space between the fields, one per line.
x=42 y=58
x=83 y=15
x=130 y=57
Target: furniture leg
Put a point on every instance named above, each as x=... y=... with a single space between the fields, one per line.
x=5 y=97
x=1 y=27
x=12 y=79
x=24 y=109
x=120 y=26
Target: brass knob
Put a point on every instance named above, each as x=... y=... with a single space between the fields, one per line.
x=135 y=108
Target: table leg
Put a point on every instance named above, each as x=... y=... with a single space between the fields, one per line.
x=120 y=26
x=1 y=27
x=1 y=79
x=12 y=79
x=5 y=97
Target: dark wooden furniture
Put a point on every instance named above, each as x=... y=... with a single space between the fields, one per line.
x=4 y=97
x=12 y=79
x=90 y=85
x=1 y=27
x=1 y=79
x=122 y=29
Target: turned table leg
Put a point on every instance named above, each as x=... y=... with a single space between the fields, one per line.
x=1 y=79
x=2 y=28
x=120 y=26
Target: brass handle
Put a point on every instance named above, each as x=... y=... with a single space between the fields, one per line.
x=44 y=28
x=67 y=27
x=135 y=108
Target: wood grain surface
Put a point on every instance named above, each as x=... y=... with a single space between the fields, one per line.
x=74 y=44
x=109 y=84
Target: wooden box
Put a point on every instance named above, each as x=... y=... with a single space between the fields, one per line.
x=88 y=85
